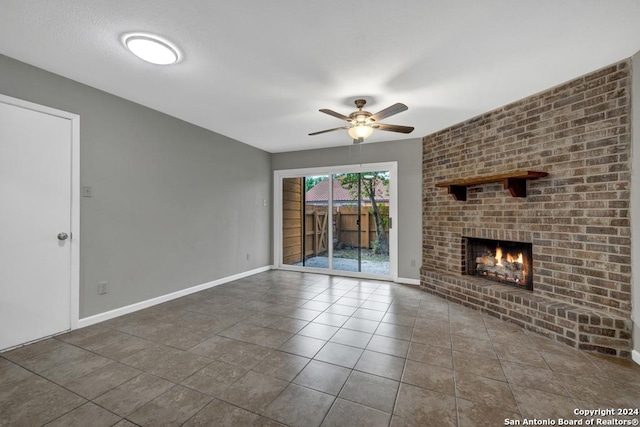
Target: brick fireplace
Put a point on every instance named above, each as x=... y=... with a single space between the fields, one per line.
x=576 y=218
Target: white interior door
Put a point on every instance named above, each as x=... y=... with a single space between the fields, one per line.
x=35 y=200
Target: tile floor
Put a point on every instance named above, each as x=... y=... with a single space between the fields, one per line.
x=286 y=348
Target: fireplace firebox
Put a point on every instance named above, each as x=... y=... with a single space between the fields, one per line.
x=501 y=261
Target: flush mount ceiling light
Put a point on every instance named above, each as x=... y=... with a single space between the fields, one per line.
x=151 y=48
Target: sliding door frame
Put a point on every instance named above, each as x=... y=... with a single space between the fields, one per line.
x=278 y=177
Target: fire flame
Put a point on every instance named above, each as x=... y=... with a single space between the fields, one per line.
x=514 y=262
x=509 y=257
x=518 y=259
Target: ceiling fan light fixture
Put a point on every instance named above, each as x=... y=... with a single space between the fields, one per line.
x=362 y=123
x=151 y=48
x=360 y=131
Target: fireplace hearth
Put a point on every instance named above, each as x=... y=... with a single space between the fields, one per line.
x=505 y=262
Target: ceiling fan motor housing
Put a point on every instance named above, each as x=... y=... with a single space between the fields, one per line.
x=360 y=116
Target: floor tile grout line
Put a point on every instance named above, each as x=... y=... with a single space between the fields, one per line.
x=125 y=417
x=553 y=372
x=77 y=407
x=371 y=337
x=520 y=413
x=455 y=377
x=228 y=403
x=86 y=400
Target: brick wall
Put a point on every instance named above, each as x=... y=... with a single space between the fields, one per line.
x=577 y=218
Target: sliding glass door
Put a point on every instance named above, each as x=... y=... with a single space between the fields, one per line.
x=361 y=218
x=338 y=221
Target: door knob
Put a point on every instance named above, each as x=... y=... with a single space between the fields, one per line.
x=63 y=236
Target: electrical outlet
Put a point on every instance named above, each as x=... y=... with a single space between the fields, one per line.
x=87 y=191
x=102 y=288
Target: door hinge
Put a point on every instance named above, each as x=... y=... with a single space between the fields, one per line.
x=390 y=222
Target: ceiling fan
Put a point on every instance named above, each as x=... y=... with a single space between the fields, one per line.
x=362 y=123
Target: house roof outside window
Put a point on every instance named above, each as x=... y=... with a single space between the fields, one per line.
x=319 y=194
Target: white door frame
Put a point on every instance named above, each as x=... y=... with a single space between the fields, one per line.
x=279 y=175
x=75 y=196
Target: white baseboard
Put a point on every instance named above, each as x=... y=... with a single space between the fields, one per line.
x=635 y=355
x=406 y=281
x=97 y=318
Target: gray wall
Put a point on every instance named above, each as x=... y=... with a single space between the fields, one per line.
x=173 y=205
x=408 y=154
x=635 y=203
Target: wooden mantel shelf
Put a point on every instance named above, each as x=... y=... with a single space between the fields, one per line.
x=515 y=182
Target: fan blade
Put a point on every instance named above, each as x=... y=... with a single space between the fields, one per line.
x=389 y=111
x=329 y=130
x=393 y=128
x=334 y=114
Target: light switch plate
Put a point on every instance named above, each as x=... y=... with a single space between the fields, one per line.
x=102 y=288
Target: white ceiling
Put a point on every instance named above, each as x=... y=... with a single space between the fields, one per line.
x=259 y=70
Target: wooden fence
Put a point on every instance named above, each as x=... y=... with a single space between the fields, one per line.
x=316 y=233
x=345 y=228
x=292 y=220
x=316 y=225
